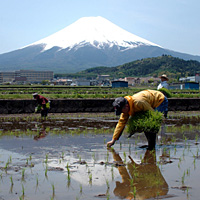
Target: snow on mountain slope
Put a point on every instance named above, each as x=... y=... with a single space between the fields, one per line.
x=97 y=31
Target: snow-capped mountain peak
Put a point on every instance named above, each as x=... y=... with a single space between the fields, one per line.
x=96 y=31
x=88 y=42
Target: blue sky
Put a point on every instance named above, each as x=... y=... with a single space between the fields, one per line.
x=172 y=24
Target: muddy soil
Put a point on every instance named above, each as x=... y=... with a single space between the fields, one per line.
x=65 y=157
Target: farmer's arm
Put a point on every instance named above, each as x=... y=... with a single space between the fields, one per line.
x=118 y=129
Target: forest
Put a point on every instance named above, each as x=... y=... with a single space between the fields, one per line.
x=155 y=66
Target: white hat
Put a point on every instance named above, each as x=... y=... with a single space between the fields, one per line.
x=35 y=94
x=164 y=76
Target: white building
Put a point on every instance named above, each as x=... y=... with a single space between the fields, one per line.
x=83 y=82
x=30 y=75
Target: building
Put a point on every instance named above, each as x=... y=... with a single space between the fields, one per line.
x=20 y=80
x=81 y=82
x=192 y=85
x=130 y=80
x=62 y=81
x=6 y=77
x=30 y=75
x=116 y=84
x=103 y=77
x=195 y=78
x=35 y=76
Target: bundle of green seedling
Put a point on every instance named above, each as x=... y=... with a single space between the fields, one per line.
x=145 y=121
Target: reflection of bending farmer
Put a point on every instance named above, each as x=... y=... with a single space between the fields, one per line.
x=130 y=105
x=43 y=104
x=146 y=178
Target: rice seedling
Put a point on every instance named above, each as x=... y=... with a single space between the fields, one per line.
x=188 y=172
x=23 y=191
x=10 y=159
x=179 y=165
x=112 y=173
x=53 y=190
x=173 y=139
x=185 y=138
x=183 y=178
x=90 y=178
x=62 y=156
x=183 y=155
x=23 y=174
x=194 y=163
x=134 y=192
x=175 y=150
x=68 y=173
x=46 y=159
x=46 y=170
x=188 y=193
x=120 y=145
x=197 y=153
x=81 y=189
x=104 y=141
x=124 y=157
x=6 y=166
x=79 y=157
x=11 y=181
x=141 y=157
x=107 y=183
x=37 y=181
x=196 y=138
x=21 y=198
x=86 y=165
x=132 y=183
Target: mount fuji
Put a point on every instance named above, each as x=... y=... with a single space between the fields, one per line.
x=88 y=42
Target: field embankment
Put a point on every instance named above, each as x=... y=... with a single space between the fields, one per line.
x=87 y=105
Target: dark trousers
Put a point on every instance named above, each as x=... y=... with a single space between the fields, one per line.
x=44 y=112
x=163 y=107
x=151 y=138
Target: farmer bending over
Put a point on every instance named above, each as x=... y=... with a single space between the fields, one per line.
x=43 y=104
x=130 y=105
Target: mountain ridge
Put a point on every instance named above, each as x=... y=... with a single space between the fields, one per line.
x=165 y=64
x=82 y=49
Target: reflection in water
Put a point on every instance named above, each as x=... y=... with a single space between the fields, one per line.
x=146 y=178
x=42 y=133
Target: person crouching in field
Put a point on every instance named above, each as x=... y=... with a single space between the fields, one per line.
x=130 y=105
x=43 y=104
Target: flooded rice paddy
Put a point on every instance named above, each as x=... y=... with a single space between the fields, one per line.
x=65 y=157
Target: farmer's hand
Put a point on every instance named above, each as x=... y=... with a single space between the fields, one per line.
x=112 y=142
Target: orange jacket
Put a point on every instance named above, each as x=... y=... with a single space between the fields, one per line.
x=141 y=101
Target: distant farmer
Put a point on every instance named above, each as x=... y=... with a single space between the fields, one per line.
x=130 y=105
x=43 y=104
x=163 y=83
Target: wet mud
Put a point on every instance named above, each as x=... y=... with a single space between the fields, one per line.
x=65 y=157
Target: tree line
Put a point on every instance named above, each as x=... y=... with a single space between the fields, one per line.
x=155 y=66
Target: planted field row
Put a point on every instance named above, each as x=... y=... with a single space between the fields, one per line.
x=80 y=92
